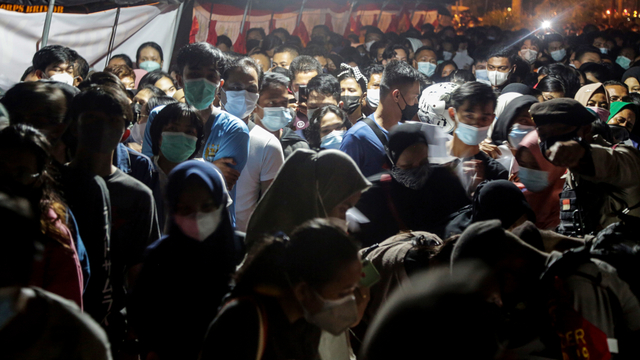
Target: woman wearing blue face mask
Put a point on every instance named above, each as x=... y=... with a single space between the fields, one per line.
x=149 y=57
x=186 y=273
x=176 y=134
x=327 y=127
x=542 y=180
x=287 y=291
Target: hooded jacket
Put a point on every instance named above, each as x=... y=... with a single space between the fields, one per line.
x=183 y=280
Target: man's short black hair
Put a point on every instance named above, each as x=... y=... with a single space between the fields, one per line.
x=315 y=50
x=33 y=99
x=549 y=38
x=373 y=49
x=125 y=58
x=475 y=93
x=51 y=55
x=372 y=69
x=423 y=48
x=104 y=99
x=245 y=63
x=325 y=84
x=390 y=51
x=282 y=31
x=260 y=30
x=502 y=51
x=615 y=83
x=150 y=44
x=396 y=75
x=80 y=65
x=193 y=55
x=294 y=51
x=274 y=80
x=154 y=89
x=304 y=64
x=225 y=40
x=27 y=72
x=599 y=71
x=585 y=49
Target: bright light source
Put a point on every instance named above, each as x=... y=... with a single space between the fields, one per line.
x=608 y=12
x=546 y=24
x=508 y=9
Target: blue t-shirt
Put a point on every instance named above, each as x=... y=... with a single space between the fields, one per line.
x=229 y=138
x=364 y=147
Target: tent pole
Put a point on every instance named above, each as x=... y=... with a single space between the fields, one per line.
x=353 y=4
x=244 y=17
x=384 y=5
x=300 y=14
x=47 y=23
x=113 y=37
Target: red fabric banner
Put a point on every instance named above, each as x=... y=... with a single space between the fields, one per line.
x=241 y=43
x=212 y=36
x=328 y=22
x=195 y=26
x=301 y=32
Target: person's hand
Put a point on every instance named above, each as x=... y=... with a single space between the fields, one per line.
x=566 y=153
x=514 y=178
x=488 y=148
x=474 y=169
x=230 y=175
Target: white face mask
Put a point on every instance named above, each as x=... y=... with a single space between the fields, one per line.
x=529 y=55
x=447 y=55
x=63 y=78
x=238 y=103
x=200 y=226
x=373 y=98
x=497 y=78
x=137 y=132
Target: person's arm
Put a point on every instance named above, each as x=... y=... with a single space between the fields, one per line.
x=234 y=145
x=619 y=166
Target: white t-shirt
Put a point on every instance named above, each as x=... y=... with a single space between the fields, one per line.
x=264 y=161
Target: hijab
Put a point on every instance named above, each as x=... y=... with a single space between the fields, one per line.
x=586 y=92
x=545 y=204
x=505 y=122
x=309 y=185
x=633 y=72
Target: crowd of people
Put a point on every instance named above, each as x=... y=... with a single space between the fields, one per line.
x=447 y=193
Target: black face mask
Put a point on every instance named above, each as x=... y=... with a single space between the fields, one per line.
x=351 y=103
x=409 y=111
x=548 y=143
x=619 y=133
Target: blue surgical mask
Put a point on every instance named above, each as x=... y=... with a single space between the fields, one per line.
x=604 y=50
x=482 y=75
x=427 y=68
x=332 y=140
x=471 y=135
x=150 y=66
x=275 y=118
x=518 y=132
x=447 y=55
x=623 y=61
x=558 y=55
x=238 y=103
x=200 y=92
x=534 y=180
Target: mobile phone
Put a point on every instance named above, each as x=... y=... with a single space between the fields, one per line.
x=370 y=275
x=303 y=94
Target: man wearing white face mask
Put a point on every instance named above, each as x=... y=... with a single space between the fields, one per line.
x=54 y=62
x=239 y=96
x=373 y=73
x=472 y=107
x=501 y=66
